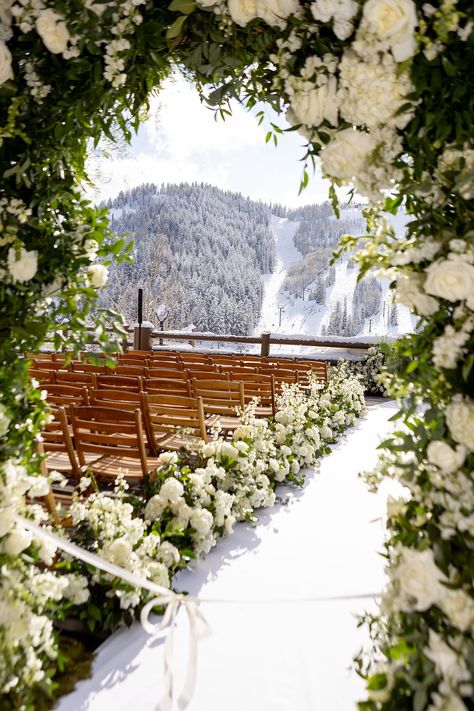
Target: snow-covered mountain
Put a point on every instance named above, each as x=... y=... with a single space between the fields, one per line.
x=286 y=313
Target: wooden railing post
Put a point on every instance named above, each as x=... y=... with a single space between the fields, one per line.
x=142 y=340
x=265 y=347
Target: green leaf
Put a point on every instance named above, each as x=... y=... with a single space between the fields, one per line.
x=184 y=6
x=175 y=29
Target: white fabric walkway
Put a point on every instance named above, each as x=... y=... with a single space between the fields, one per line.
x=271 y=656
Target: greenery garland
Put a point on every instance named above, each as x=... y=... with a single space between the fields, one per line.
x=382 y=91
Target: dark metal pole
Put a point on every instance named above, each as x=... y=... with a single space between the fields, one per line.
x=140 y=317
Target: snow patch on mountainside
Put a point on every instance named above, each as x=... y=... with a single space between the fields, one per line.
x=284 y=313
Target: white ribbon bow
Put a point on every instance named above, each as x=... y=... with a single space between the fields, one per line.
x=198 y=626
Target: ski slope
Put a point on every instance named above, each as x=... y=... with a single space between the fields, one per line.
x=290 y=315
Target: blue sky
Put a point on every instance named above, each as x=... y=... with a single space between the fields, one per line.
x=182 y=142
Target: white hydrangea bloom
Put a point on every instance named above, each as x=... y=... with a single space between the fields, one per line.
x=52 y=29
x=460 y=420
x=22 y=264
x=372 y=92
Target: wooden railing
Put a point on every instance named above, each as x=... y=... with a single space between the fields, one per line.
x=147 y=338
x=265 y=340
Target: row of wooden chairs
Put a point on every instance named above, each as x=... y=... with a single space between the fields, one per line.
x=252 y=385
x=145 y=362
x=166 y=422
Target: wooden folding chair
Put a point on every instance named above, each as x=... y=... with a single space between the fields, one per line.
x=170 y=386
x=116 y=437
x=133 y=383
x=167 y=415
x=53 y=500
x=65 y=394
x=80 y=367
x=281 y=374
x=261 y=386
x=58 y=445
x=75 y=379
x=238 y=368
x=202 y=367
x=221 y=398
x=318 y=368
x=49 y=364
x=124 y=359
x=44 y=376
x=129 y=370
x=174 y=373
x=187 y=358
x=207 y=375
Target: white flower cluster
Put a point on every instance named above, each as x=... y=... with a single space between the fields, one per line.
x=124 y=22
x=273 y=12
x=27 y=594
x=364 y=87
x=368 y=370
x=122 y=538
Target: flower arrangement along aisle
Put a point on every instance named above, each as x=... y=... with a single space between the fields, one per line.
x=382 y=91
x=195 y=498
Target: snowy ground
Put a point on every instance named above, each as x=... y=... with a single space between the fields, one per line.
x=272 y=646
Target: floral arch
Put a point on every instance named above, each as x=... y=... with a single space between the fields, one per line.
x=382 y=90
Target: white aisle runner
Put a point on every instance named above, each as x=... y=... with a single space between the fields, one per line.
x=271 y=656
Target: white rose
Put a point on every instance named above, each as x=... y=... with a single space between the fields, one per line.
x=171 y=490
x=168 y=458
x=119 y=552
x=201 y=520
x=273 y=464
x=419 y=578
x=445 y=457
x=155 y=507
x=274 y=12
x=241 y=446
x=460 y=420
x=451 y=279
x=46 y=551
x=314 y=106
x=209 y=449
x=325 y=432
x=4 y=420
x=17 y=541
x=344 y=157
x=295 y=466
x=6 y=71
x=168 y=554
x=52 y=29
x=393 y=21
x=97 y=275
x=7 y=519
x=449 y=664
x=76 y=590
x=409 y=293
x=228 y=450
x=40 y=487
x=91 y=247
x=23 y=267
x=242 y=11
x=395 y=507
x=97 y=8
x=459 y=607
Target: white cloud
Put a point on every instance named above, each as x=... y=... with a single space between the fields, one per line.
x=181 y=126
